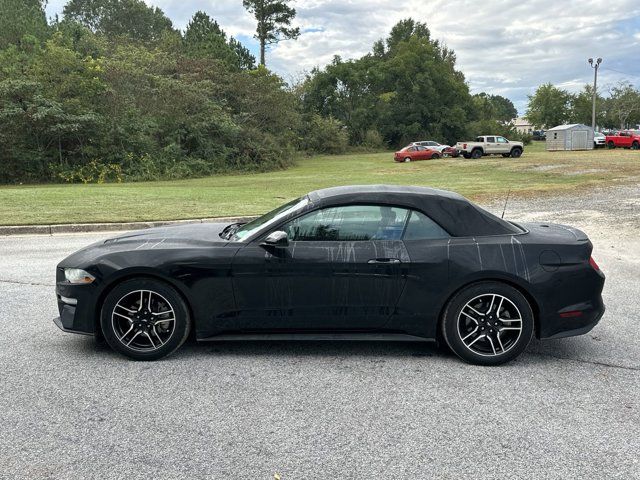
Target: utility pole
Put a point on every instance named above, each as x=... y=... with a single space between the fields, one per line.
x=595 y=91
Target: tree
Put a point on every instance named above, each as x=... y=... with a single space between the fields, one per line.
x=274 y=22
x=548 y=106
x=582 y=107
x=406 y=89
x=624 y=105
x=20 y=18
x=204 y=38
x=494 y=107
x=131 y=18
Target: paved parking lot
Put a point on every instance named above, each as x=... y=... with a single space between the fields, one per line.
x=70 y=408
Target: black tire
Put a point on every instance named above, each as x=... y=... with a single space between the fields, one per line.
x=407 y=159
x=164 y=298
x=466 y=155
x=635 y=146
x=476 y=153
x=513 y=347
x=611 y=144
x=435 y=156
x=516 y=152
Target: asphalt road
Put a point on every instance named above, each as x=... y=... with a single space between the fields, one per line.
x=70 y=408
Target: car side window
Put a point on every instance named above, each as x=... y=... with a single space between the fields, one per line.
x=349 y=223
x=412 y=149
x=421 y=227
x=491 y=139
x=501 y=140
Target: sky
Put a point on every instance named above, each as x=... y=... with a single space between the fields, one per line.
x=504 y=47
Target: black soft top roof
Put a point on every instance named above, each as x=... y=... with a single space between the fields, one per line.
x=456 y=214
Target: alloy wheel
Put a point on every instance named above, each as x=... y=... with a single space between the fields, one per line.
x=489 y=324
x=143 y=320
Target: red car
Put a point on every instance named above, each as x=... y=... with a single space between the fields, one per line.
x=623 y=139
x=450 y=152
x=412 y=153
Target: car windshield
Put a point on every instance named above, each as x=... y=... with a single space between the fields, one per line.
x=270 y=218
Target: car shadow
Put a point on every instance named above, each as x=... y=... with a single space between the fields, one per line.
x=537 y=351
x=311 y=348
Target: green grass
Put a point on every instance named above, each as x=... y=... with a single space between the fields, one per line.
x=537 y=172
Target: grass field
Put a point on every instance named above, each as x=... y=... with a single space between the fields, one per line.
x=537 y=172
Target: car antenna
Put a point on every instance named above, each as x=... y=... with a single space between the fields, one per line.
x=505 y=203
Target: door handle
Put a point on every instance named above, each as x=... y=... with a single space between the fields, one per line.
x=386 y=261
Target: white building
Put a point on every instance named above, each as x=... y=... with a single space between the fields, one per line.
x=522 y=125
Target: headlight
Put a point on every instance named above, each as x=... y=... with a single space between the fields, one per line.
x=76 y=275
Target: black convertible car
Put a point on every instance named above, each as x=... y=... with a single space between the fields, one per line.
x=361 y=262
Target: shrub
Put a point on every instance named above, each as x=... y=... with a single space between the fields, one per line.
x=324 y=135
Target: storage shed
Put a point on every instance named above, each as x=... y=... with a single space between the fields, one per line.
x=575 y=136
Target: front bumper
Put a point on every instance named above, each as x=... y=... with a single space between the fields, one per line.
x=60 y=323
x=81 y=316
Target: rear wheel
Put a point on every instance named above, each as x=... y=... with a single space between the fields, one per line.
x=407 y=159
x=476 y=153
x=488 y=323
x=145 y=319
x=611 y=144
x=516 y=153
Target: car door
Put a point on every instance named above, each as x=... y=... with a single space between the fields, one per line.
x=502 y=145
x=422 y=153
x=342 y=270
x=624 y=140
x=427 y=272
x=490 y=145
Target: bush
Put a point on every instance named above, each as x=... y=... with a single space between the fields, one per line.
x=92 y=172
x=373 y=140
x=324 y=135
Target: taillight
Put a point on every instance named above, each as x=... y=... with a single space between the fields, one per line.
x=593 y=264
x=464 y=146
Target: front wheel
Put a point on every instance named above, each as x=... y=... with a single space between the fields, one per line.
x=611 y=145
x=488 y=323
x=145 y=319
x=435 y=156
x=635 y=146
x=516 y=153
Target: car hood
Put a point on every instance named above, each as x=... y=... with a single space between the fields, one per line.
x=191 y=235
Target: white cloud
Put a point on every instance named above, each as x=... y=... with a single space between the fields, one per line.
x=506 y=47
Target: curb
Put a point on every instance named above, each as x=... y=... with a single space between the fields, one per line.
x=106 y=227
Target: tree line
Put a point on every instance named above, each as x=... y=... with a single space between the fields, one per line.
x=113 y=91
x=550 y=106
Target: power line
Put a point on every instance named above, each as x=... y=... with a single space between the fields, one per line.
x=618 y=71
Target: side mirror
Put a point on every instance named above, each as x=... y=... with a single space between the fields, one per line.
x=276 y=239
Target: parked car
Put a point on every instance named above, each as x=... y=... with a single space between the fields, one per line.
x=538 y=135
x=432 y=145
x=412 y=153
x=368 y=262
x=490 y=145
x=624 y=139
x=450 y=152
x=599 y=140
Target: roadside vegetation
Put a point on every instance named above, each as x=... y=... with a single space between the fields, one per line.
x=112 y=92
x=536 y=173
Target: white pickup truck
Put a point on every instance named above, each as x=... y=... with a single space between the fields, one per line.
x=490 y=145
